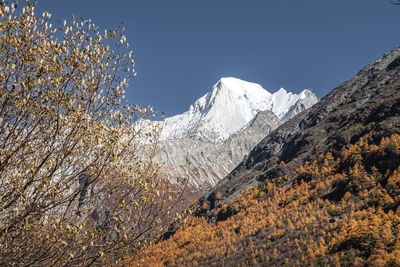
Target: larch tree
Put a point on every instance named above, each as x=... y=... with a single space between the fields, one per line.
x=76 y=185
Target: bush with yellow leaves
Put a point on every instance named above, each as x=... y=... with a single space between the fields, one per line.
x=73 y=189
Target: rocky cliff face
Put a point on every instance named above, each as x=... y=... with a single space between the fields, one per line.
x=369 y=102
x=205 y=163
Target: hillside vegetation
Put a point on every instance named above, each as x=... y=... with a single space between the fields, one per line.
x=337 y=211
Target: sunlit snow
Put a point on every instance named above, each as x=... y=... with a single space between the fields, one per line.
x=227 y=108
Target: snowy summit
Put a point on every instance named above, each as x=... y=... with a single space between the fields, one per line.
x=230 y=105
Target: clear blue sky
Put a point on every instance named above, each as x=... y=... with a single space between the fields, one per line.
x=182 y=47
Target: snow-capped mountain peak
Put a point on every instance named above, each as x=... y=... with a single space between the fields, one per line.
x=239 y=87
x=306 y=93
x=227 y=108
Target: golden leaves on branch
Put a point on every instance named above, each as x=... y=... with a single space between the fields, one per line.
x=74 y=180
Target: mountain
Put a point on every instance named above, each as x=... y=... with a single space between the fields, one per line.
x=229 y=106
x=209 y=140
x=367 y=102
x=323 y=189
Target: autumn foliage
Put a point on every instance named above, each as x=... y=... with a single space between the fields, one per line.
x=74 y=189
x=336 y=211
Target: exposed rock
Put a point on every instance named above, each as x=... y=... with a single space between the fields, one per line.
x=205 y=163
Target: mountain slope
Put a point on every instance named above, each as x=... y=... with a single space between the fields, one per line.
x=322 y=189
x=305 y=224
x=228 y=107
x=367 y=102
